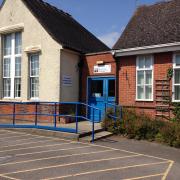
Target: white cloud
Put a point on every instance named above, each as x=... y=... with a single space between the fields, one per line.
x=110 y=38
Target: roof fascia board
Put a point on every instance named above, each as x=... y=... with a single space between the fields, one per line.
x=148 y=49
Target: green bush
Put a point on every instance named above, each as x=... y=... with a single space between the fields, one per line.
x=142 y=127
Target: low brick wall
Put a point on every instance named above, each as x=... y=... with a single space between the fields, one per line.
x=45 y=113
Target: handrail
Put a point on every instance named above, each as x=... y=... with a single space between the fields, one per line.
x=53 y=114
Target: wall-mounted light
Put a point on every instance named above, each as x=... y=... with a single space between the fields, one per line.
x=99 y=62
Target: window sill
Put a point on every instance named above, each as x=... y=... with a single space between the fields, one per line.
x=175 y=101
x=34 y=99
x=144 y=100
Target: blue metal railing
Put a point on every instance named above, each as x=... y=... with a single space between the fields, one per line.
x=77 y=115
x=117 y=111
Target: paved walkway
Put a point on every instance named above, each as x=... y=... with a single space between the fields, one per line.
x=26 y=156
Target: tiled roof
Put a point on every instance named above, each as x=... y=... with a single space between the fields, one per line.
x=152 y=25
x=64 y=28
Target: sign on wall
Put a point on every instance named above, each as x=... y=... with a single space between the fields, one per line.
x=67 y=80
x=102 y=68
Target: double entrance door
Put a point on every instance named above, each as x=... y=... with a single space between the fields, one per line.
x=101 y=90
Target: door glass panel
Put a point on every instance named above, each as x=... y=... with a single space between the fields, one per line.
x=111 y=88
x=97 y=88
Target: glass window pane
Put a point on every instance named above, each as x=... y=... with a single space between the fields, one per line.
x=148 y=92
x=140 y=77
x=34 y=63
x=111 y=88
x=177 y=76
x=34 y=87
x=7 y=44
x=141 y=62
x=18 y=43
x=17 y=87
x=18 y=66
x=140 y=92
x=7 y=87
x=97 y=88
x=177 y=60
x=7 y=67
x=177 y=92
x=148 y=62
x=148 y=77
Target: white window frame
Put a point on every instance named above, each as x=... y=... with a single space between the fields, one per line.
x=30 y=76
x=12 y=58
x=173 y=80
x=145 y=69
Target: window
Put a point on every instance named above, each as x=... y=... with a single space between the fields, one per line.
x=176 y=79
x=111 y=88
x=144 y=78
x=12 y=65
x=96 y=88
x=34 y=76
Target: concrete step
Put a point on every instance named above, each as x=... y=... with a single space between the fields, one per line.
x=97 y=136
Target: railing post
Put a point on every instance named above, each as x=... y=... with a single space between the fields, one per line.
x=36 y=109
x=14 y=113
x=55 y=115
x=77 y=108
x=93 y=128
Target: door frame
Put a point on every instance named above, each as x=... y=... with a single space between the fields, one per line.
x=87 y=84
x=97 y=77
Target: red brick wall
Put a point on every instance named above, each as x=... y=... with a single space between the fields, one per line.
x=88 y=69
x=127 y=80
x=29 y=110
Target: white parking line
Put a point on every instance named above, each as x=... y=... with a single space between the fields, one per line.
x=53 y=138
x=69 y=164
x=168 y=170
x=106 y=170
x=55 y=150
x=13 y=145
x=7 y=177
x=143 y=177
x=96 y=145
x=19 y=140
x=5 y=138
x=34 y=147
x=54 y=157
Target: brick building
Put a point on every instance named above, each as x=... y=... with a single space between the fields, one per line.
x=140 y=60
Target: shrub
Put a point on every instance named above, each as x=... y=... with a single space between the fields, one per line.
x=141 y=126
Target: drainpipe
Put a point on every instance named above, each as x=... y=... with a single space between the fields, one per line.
x=80 y=67
x=117 y=77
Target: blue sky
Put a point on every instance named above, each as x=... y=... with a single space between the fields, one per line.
x=106 y=19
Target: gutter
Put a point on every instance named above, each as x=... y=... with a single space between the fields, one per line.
x=147 y=49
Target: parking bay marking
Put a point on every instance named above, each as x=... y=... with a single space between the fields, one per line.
x=69 y=164
x=49 y=145
x=54 y=157
x=105 y=170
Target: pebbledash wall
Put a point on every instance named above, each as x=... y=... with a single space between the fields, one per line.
x=55 y=63
x=124 y=69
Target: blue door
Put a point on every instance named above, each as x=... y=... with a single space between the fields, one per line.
x=101 y=90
